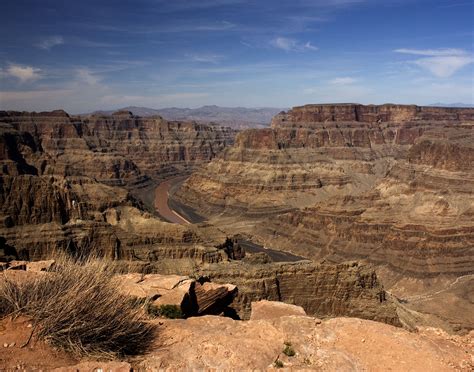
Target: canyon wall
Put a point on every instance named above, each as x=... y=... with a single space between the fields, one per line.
x=119 y=149
x=321 y=289
x=69 y=182
x=389 y=184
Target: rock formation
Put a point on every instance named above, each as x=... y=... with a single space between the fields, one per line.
x=391 y=185
x=74 y=183
x=117 y=149
x=291 y=340
x=321 y=289
x=388 y=185
x=337 y=344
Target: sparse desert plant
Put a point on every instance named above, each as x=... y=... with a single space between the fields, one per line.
x=76 y=307
x=278 y=364
x=288 y=350
x=166 y=311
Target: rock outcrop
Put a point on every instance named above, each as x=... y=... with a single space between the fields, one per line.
x=323 y=290
x=121 y=149
x=186 y=294
x=314 y=152
x=73 y=183
x=294 y=342
x=273 y=309
x=340 y=344
x=391 y=185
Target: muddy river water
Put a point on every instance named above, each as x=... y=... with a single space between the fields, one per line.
x=175 y=212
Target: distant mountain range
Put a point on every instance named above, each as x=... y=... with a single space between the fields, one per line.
x=235 y=117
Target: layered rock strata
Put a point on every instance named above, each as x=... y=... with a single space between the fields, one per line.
x=391 y=185
x=117 y=149
x=68 y=183
x=315 y=152
x=321 y=289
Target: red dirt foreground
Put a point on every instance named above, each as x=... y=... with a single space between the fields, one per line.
x=14 y=333
x=278 y=335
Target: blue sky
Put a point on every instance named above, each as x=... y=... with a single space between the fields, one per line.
x=88 y=55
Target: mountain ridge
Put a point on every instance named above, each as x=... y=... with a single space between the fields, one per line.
x=235 y=117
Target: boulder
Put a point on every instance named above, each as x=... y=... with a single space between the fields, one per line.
x=192 y=297
x=213 y=298
x=273 y=309
x=160 y=289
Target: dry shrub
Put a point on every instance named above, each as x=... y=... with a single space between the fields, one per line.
x=76 y=307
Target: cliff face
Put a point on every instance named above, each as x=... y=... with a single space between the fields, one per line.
x=117 y=149
x=63 y=177
x=417 y=219
x=369 y=114
x=321 y=289
x=390 y=184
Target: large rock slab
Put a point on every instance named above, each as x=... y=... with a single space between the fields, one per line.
x=160 y=289
x=192 y=297
x=213 y=298
x=340 y=344
x=273 y=309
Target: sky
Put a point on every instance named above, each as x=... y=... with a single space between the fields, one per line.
x=89 y=55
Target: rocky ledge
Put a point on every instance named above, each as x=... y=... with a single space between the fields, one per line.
x=277 y=335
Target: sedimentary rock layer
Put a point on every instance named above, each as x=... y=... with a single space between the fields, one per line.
x=391 y=184
x=65 y=182
x=322 y=289
x=320 y=150
x=121 y=148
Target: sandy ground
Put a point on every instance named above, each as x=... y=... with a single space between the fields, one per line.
x=36 y=355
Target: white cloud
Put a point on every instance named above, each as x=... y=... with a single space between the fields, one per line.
x=86 y=76
x=342 y=81
x=50 y=42
x=292 y=45
x=310 y=46
x=442 y=63
x=23 y=73
x=432 y=52
x=205 y=58
x=444 y=67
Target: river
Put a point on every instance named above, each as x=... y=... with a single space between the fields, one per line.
x=175 y=212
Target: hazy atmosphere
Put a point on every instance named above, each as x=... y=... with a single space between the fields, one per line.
x=89 y=55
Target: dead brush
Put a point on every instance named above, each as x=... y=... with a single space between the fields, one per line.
x=76 y=307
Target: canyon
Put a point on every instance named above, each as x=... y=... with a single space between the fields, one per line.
x=390 y=185
x=345 y=210
x=87 y=185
